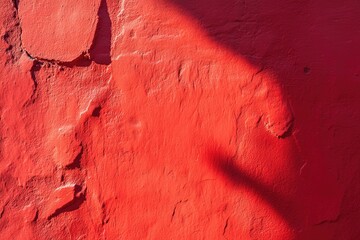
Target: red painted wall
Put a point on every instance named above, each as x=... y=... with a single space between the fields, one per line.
x=169 y=119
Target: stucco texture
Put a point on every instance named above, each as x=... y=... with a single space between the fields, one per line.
x=179 y=119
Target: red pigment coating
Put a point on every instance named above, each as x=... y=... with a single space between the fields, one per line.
x=169 y=119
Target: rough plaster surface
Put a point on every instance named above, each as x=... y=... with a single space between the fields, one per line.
x=166 y=119
x=58 y=30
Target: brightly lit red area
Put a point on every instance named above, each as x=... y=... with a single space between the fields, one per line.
x=180 y=119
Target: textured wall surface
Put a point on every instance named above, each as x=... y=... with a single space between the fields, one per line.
x=179 y=119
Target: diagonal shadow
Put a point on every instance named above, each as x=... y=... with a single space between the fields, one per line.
x=312 y=47
x=226 y=167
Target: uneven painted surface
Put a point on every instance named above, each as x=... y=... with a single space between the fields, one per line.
x=57 y=30
x=165 y=119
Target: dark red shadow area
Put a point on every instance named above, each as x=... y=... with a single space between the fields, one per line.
x=100 y=50
x=225 y=165
x=278 y=34
x=313 y=49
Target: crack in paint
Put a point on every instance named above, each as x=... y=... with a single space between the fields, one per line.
x=176 y=205
x=226 y=225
